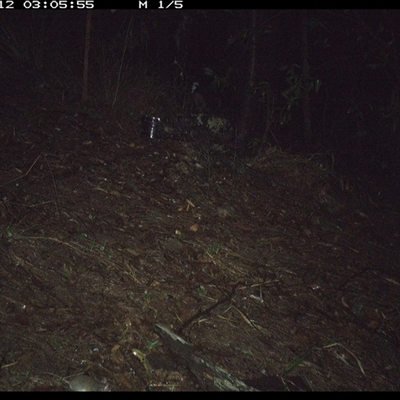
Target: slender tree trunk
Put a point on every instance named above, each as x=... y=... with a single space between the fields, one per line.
x=249 y=82
x=306 y=78
x=86 y=57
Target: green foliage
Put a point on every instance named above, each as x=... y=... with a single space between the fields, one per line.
x=295 y=89
x=220 y=83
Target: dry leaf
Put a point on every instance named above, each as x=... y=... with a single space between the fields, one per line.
x=194 y=228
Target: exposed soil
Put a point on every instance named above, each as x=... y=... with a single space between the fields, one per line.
x=273 y=269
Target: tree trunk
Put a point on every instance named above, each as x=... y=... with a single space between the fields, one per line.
x=248 y=90
x=86 y=57
x=306 y=78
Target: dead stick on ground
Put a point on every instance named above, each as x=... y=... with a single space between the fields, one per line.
x=25 y=174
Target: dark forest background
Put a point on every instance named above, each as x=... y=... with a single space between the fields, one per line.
x=318 y=81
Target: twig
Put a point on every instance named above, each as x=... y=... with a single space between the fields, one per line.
x=25 y=174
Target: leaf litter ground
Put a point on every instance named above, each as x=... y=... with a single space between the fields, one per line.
x=272 y=268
